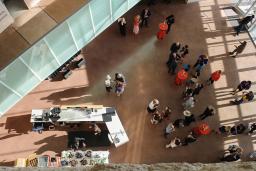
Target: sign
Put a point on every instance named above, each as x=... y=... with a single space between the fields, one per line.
x=5 y=18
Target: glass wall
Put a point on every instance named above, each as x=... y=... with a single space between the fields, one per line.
x=59 y=45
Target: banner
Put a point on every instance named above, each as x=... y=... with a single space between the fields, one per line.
x=5 y=18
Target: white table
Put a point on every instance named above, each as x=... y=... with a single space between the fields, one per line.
x=115 y=127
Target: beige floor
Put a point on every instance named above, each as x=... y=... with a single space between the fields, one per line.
x=206 y=28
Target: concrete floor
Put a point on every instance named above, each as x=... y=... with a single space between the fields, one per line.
x=206 y=28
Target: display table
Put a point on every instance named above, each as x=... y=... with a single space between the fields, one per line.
x=83 y=158
x=76 y=114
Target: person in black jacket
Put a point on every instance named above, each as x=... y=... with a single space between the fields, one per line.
x=209 y=111
x=145 y=14
x=169 y=21
x=238 y=49
x=243 y=23
x=175 y=47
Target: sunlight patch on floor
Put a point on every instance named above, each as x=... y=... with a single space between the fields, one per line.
x=216 y=49
x=228 y=112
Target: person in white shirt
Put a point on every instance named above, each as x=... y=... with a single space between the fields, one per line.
x=108 y=83
x=174 y=143
x=152 y=106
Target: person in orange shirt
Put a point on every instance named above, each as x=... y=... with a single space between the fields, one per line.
x=215 y=76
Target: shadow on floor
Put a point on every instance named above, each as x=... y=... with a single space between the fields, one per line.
x=18 y=124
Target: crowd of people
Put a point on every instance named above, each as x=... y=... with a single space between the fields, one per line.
x=194 y=85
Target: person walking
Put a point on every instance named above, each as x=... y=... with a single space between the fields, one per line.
x=169 y=129
x=136 y=24
x=246 y=97
x=197 y=89
x=209 y=111
x=145 y=14
x=244 y=85
x=152 y=106
x=122 y=25
x=108 y=83
x=239 y=49
x=243 y=23
x=215 y=76
x=169 y=21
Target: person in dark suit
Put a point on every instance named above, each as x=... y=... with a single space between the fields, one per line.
x=175 y=47
x=122 y=25
x=169 y=21
x=243 y=23
x=145 y=14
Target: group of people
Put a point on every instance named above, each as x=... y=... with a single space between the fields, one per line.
x=193 y=87
x=139 y=21
x=142 y=20
x=119 y=83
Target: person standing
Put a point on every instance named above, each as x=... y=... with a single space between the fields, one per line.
x=189 y=103
x=252 y=128
x=156 y=118
x=166 y=112
x=239 y=49
x=175 y=47
x=145 y=14
x=184 y=51
x=122 y=25
x=246 y=97
x=209 y=111
x=174 y=143
x=173 y=65
x=200 y=63
x=152 y=106
x=189 y=118
x=244 y=85
x=243 y=23
x=169 y=20
x=120 y=83
x=108 y=83
x=136 y=24
x=197 y=89
x=215 y=76
x=169 y=129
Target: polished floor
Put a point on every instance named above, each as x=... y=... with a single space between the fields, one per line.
x=207 y=27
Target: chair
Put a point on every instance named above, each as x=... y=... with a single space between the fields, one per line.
x=51 y=127
x=38 y=127
x=32 y=160
x=44 y=161
x=20 y=162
